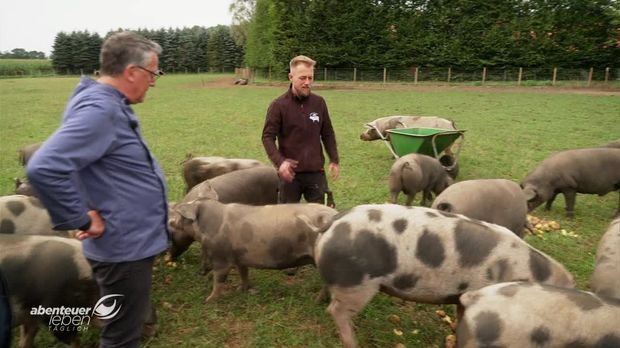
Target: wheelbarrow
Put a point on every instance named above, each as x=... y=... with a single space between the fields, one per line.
x=426 y=141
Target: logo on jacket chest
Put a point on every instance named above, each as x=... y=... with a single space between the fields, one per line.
x=314 y=117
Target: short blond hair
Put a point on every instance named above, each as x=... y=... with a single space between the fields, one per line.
x=301 y=60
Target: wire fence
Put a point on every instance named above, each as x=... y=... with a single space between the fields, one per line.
x=508 y=76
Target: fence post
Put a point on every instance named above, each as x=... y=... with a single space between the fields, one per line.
x=449 y=73
x=590 y=76
x=484 y=74
x=416 y=75
x=606 y=74
x=324 y=74
x=520 y=76
x=385 y=74
x=555 y=75
x=270 y=73
x=354 y=74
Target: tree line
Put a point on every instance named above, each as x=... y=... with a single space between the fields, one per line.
x=20 y=53
x=433 y=33
x=188 y=49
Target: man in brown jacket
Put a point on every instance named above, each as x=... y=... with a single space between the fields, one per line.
x=300 y=122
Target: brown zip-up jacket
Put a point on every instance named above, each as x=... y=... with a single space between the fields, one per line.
x=300 y=125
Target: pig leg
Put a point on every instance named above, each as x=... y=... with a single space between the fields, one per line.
x=394 y=197
x=219 y=281
x=426 y=194
x=410 y=198
x=345 y=304
x=550 y=201
x=27 y=333
x=245 y=281
x=569 y=196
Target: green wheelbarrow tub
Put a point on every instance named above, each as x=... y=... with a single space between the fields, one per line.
x=426 y=141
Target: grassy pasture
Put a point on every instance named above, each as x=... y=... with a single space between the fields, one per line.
x=508 y=132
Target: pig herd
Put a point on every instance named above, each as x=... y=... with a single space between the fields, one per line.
x=465 y=249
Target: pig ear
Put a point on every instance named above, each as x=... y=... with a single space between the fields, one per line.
x=529 y=193
x=187 y=210
x=207 y=192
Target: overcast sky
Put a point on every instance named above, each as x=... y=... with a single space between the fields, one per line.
x=33 y=24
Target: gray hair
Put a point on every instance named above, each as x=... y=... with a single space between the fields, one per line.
x=301 y=60
x=124 y=48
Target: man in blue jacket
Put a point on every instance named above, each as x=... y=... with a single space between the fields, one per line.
x=96 y=174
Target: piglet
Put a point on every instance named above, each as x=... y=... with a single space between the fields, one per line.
x=415 y=173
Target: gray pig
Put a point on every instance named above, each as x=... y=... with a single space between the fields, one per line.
x=391 y=122
x=413 y=173
x=605 y=280
x=594 y=171
x=420 y=254
x=254 y=186
x=199 y=169
x=497 y=201
x=521 y=314
x=272 y=236
x=46 y=272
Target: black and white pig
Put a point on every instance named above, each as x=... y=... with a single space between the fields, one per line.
x=272 y=236
x=605 y=280
x=593 y=171
x=391 y=122
x=523 y=314
x=420 y=254
x=415 y=173
x=253 y=186
x=498 y=201
x=44 y=271
x=21 y=214
x=199 y=169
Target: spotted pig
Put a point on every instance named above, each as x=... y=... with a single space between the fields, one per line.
x=48 y=272
x=605 y=280
x=272 y=236
x=522 y=314
x=420 y=254
x=199 y=169
x=26 y=215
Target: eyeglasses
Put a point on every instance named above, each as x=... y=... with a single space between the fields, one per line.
x=154 y=74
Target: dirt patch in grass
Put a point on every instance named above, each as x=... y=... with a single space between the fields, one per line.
x=229 y=82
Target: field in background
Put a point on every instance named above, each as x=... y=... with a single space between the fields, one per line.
x=508 y=132
x=26 y=67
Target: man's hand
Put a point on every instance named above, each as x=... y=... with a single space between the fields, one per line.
x=287 y=170
x=334 y=170
x=97 y=226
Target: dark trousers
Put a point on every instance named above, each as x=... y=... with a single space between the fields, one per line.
x=132 y=280
x=312 y=185
x=5 y=314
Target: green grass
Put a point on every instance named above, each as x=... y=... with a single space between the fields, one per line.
x=508 y=133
